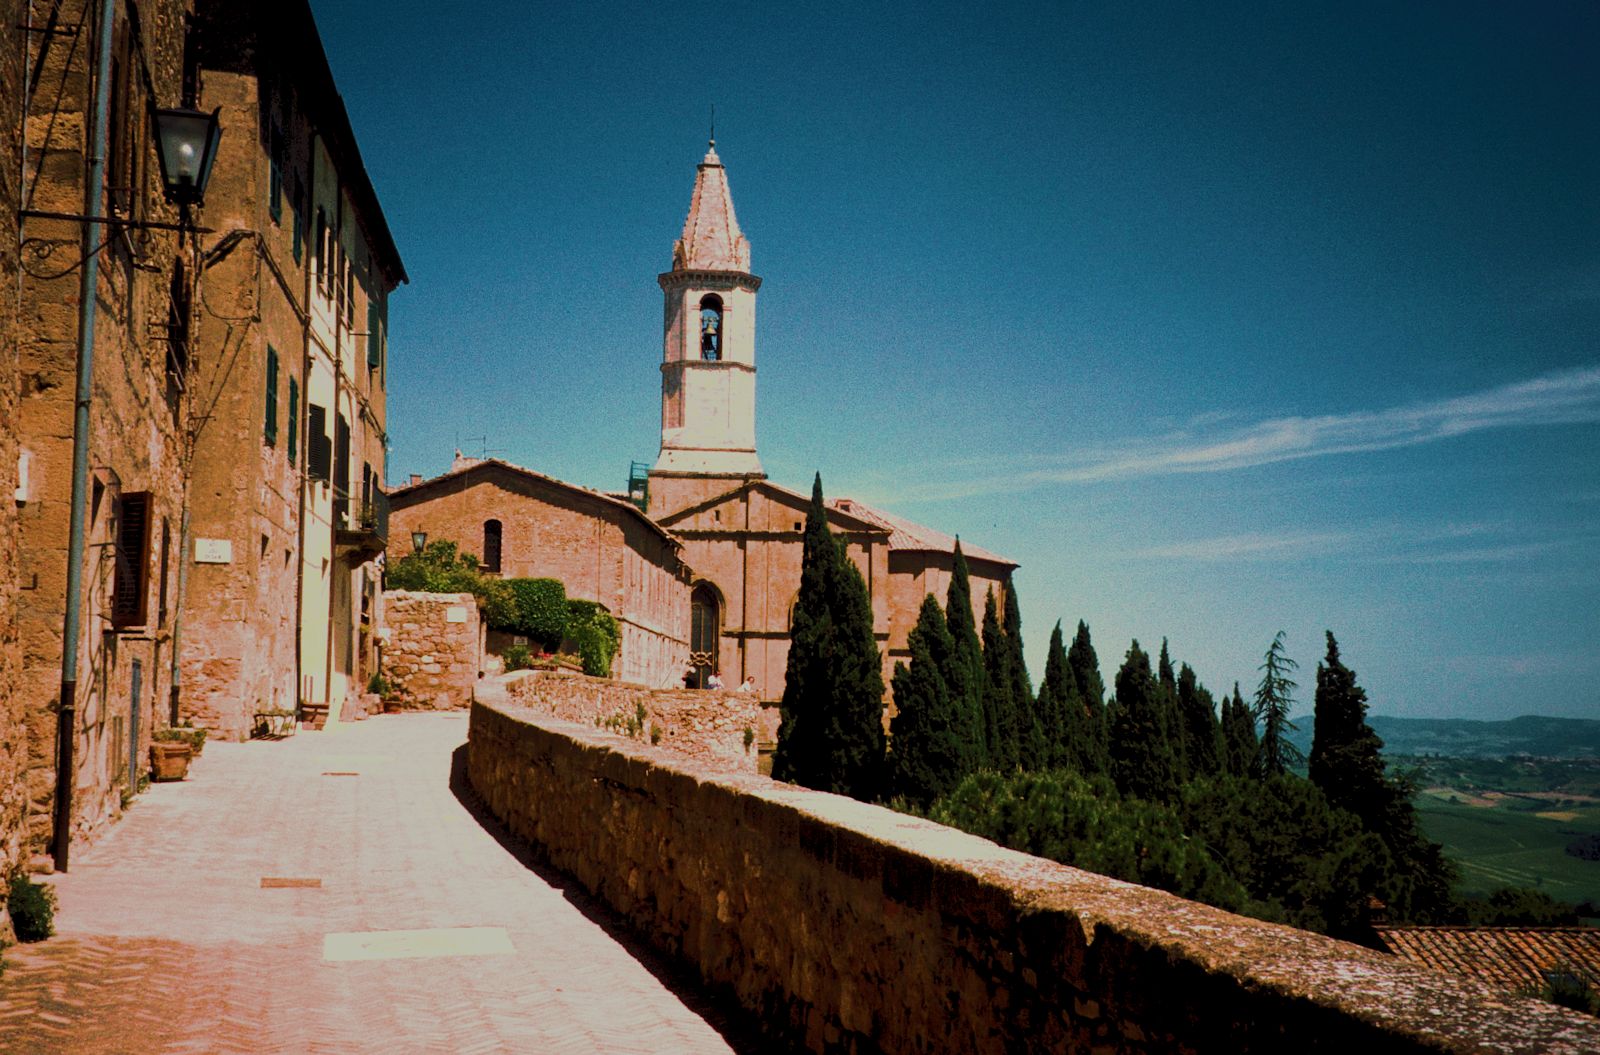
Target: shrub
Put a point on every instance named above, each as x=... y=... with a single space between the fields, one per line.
x=32 y=907
x=541 y=610
x=595 y=634
x=378 y=685
x=442 y=568
x=518 y=657
x=182 y=734
x=497 y=604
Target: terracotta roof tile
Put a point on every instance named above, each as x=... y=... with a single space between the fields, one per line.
x=1516 y=958
x=909 y=535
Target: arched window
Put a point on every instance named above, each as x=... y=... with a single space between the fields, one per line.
x=491 y=545
x=711 y=327
x=705 y=626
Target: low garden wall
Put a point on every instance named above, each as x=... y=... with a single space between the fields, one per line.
x=848 y=927
x=721 y=729
x=435 y=646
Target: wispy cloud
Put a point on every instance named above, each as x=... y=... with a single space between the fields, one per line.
x=1248 y=547
x=1564 y=397
x=1375 y=543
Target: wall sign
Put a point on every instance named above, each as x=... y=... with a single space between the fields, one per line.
x=213 y=551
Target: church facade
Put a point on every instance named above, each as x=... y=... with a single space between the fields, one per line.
x=740 y=535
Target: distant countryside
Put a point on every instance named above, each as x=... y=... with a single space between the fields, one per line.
x=1515 y=803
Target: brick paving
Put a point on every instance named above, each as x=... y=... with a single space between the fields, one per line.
x=167 y=940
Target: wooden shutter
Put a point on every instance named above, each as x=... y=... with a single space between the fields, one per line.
x=294 y=419
x=131 y=568
x=373 y=322
x=319 y=452
x=272 y=396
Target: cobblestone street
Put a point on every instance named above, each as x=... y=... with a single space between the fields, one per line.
x=253 y=907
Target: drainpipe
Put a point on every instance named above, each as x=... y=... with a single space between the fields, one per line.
x=302 y=476
x=336 y=239
x=88 y=287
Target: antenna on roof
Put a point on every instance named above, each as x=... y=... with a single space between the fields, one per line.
x=713 y=124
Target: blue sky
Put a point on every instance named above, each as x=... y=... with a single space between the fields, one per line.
x=1219 y=319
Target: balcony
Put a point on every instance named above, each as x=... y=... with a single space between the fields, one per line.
x=363 y=533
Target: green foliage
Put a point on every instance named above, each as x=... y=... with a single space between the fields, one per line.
x=32 y=907
x=441 y=568
x=1081 y=821
x=539 y=610
x=1276 y=754
x=831 y=735
x=1085 y=667
x=378 y=685
x=929 y=750
x=963 y=670
x=1571 y=986
x=182 y=734
x=999 y=693
x=1032 y=747
x=1511 y=906
x=1239 y=744
x=1345 y=761
x=595 y=634
x=1141 y=758
x=1202 y=734
x=517 y=657
x=1171 y=718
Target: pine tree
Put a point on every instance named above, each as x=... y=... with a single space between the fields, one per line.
x=1141 y=758
x=1274 y=697
x=1239 y=735
x=929 y=753
x=1202 y=735
x=1062 y=715
x=964 y=669
x=999 y=694
x=1085 y=667
x=831 y=735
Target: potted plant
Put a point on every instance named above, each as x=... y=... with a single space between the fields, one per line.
x=170 y=751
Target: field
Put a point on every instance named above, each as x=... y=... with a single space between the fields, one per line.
x=1500 y=839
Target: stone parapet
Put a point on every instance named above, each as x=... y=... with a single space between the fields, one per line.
x=848 y=927
x=708 y=726
x=435 y=648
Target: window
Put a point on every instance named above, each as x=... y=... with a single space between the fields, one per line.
x=275 y=162
x=297 y=202
x=341 y=471
x=319 y=452
x=374 y=333
x=272 y=396
x=294 y=419
x=129 y=588
x=166 y=563
x=705 y=625
x=177 y=336
x=322 y=248
x=491 y=545
x=711 y=327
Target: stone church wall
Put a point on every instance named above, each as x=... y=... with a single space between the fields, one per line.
x=848 y=927
x=435 y=648
x=726 y=730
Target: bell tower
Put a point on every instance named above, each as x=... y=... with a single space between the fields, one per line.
x=708 y=368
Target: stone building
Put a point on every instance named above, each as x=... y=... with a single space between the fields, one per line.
x=288 y=507
x=134 y=441
x=13 y=728
x=742 y=533
x=522 y=524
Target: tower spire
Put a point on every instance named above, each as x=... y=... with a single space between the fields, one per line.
x=713 y=142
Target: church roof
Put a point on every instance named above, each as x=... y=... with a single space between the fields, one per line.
x=711 y=238
x=461 y=467
x=909 y=535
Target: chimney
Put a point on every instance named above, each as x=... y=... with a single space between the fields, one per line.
x=416 y=478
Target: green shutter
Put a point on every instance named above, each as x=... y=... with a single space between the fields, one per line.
x=294 y=418
x=374 y=322
x=272 y=396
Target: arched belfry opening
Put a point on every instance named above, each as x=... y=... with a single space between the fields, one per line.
x=705 y=627
x=711 y=327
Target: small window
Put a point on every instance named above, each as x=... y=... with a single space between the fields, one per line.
x=275 y=152
x=491 y=545
x=166 y=562
x=129 y=588
x=319 y=451
x=294 y=420
x=711 y=327
x=272 y=396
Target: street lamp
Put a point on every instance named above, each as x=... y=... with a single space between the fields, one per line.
x=419 y=539
x=187 y=146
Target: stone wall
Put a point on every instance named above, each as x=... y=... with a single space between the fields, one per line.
x=708 y=726
x=13 y=727
x=848 y=927
x=435 y=648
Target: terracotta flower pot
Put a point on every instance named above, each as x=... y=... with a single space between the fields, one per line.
x=169 y=760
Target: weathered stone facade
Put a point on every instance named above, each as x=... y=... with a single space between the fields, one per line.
x=435 y=648
x=134 y=440
x=725 y=730
x=846 y=927
x=602 y=549
x=281 y=605
x=13 y=726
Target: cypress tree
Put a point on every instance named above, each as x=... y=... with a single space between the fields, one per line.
x=1141 y=758
x=1032 y=751
x=1202 y=735
x=964 y=669
x=999 y=694
x=1274 y=696
x=1085 y=667
x=1062 y=715
x=831 y=736
x=1344 y=759
x=1239 y=735
x=1171 y=714
x=929 y=753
